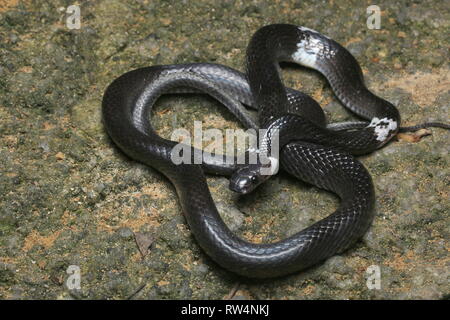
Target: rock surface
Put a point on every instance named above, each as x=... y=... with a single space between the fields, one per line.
x=68 y=197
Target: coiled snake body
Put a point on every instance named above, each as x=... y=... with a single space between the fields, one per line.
x=310 y=150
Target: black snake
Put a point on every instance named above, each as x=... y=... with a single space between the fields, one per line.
x=309 y=149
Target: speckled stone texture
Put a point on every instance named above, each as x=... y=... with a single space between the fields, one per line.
x=69 y=197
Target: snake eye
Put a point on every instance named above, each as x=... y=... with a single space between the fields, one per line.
x=254 y=178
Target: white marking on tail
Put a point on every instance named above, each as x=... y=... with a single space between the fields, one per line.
x=383 y=127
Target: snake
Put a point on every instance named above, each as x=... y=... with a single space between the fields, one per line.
x=311 y=150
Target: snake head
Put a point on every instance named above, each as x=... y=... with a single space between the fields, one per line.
x=246 y=179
